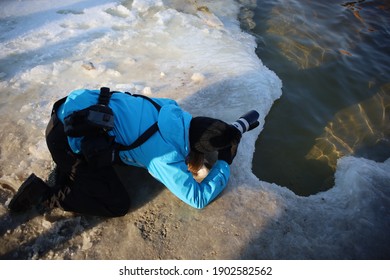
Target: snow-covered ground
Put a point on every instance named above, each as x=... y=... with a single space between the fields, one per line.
x=195 y=53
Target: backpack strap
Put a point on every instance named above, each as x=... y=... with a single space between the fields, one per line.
x=141 y=139
x=99 y=118
x=104 y=96
x=148 y=133
x=155 y=104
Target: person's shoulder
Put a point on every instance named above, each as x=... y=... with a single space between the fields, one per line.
x=77 y=93
x=80 y=99
x=166 y=101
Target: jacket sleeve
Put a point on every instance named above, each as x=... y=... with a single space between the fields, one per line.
x=176 y=177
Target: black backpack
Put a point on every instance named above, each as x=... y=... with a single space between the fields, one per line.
x=94 y=123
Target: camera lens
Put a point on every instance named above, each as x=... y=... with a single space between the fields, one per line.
x=246 y=121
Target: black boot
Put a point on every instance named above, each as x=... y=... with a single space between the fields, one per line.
x=33 y=191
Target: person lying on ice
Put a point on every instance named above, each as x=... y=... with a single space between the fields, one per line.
x=92 y=130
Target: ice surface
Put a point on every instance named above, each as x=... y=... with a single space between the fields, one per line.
x=194 y=52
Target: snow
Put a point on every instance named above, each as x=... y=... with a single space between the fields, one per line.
x=195 y=53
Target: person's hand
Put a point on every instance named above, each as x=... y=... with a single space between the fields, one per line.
x=228 y=154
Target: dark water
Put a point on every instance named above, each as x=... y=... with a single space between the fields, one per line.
x=334 y=60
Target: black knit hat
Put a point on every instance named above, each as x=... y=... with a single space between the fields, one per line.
x=208 y=135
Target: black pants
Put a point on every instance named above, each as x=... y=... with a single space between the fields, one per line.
x=96 y=192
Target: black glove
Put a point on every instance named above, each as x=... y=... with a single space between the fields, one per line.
x=228 y=154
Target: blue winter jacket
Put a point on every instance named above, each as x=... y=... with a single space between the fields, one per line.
x=164 y=154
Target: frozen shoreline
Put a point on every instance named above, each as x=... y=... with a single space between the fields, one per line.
x=210 y=66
